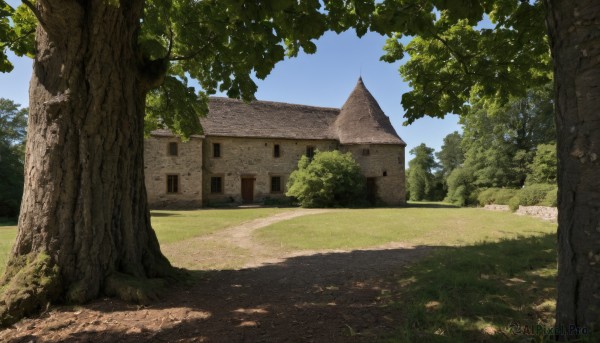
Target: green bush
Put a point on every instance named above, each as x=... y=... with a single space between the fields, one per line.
x=331 y=179
x=538 y=194
x=498 y=196
x=551 y=198
x=534 y=194
x=486 y=196
x=513 y=203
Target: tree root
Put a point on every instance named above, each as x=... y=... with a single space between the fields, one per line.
x=141 y=290
x=136 y=290
x=30 y=283
x=33 y=282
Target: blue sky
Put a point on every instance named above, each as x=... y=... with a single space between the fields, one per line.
x=325 y=78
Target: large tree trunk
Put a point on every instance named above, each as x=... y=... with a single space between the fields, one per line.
x=84 y=228
x=574 y=30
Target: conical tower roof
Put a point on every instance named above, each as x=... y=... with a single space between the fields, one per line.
x=361 y=120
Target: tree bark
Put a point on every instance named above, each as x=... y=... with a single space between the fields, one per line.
x=574 y=31
x=84 y=228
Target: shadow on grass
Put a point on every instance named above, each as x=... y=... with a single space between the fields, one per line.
x=425 y=294
x=490 y=292
x=162 y=214
x=429 y=205
x=7 y=222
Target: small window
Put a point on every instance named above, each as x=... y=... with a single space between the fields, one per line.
x=216 y=184
x=275 y=184
x=384 y=173
x=173 y=149
x=310 y=152
x=216 y=149
x=276 y=151
x=366 y=152
x=172 y=183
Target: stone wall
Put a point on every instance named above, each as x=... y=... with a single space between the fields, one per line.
x=543 y=212
x=252 y=158
x=187 y=165
x=494 y=207
x=385 y=163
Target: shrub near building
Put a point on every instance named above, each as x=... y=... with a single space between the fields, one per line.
x=330 y=179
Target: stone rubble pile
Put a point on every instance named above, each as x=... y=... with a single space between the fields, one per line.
x=543 y=212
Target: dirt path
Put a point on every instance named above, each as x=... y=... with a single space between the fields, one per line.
x=232 y=248
x=286 y=296
x=241 y=235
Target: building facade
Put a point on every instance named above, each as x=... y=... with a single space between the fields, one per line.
x=248 y=151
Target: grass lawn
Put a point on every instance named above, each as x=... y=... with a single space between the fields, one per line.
x=173 y=226
x=491 y=279
x=170 y=226
x=8 y=233
x=491 y=276
x=419 y=225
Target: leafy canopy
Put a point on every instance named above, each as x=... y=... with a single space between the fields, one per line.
x=451 y=155
x=500 y=139
x=543 y=168
x=223 y=44
x=330 y=179
x=452 y=59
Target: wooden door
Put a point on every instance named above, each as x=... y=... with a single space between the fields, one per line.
x=371 y=190
x=247 y=190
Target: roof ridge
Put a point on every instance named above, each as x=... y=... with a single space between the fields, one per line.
x=274 y=103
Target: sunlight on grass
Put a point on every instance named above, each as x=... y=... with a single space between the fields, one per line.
x=173 y=226
x=7 y=238
x=360 y=228
x=209 y=255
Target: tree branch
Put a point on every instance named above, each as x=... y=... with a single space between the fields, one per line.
x=170 y=48
x=185 y=58
x=36 y=13
x=460 y=58
x=193 y=54
x=11 y=42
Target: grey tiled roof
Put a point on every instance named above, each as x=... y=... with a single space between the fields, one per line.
x=230 y=117
x=359 y=121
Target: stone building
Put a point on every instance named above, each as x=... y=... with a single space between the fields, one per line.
x=248 y=151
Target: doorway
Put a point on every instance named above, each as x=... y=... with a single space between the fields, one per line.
x=371 y=190
x=247 y=190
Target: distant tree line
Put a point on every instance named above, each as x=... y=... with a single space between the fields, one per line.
x=13 y=125
x=507 y=150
